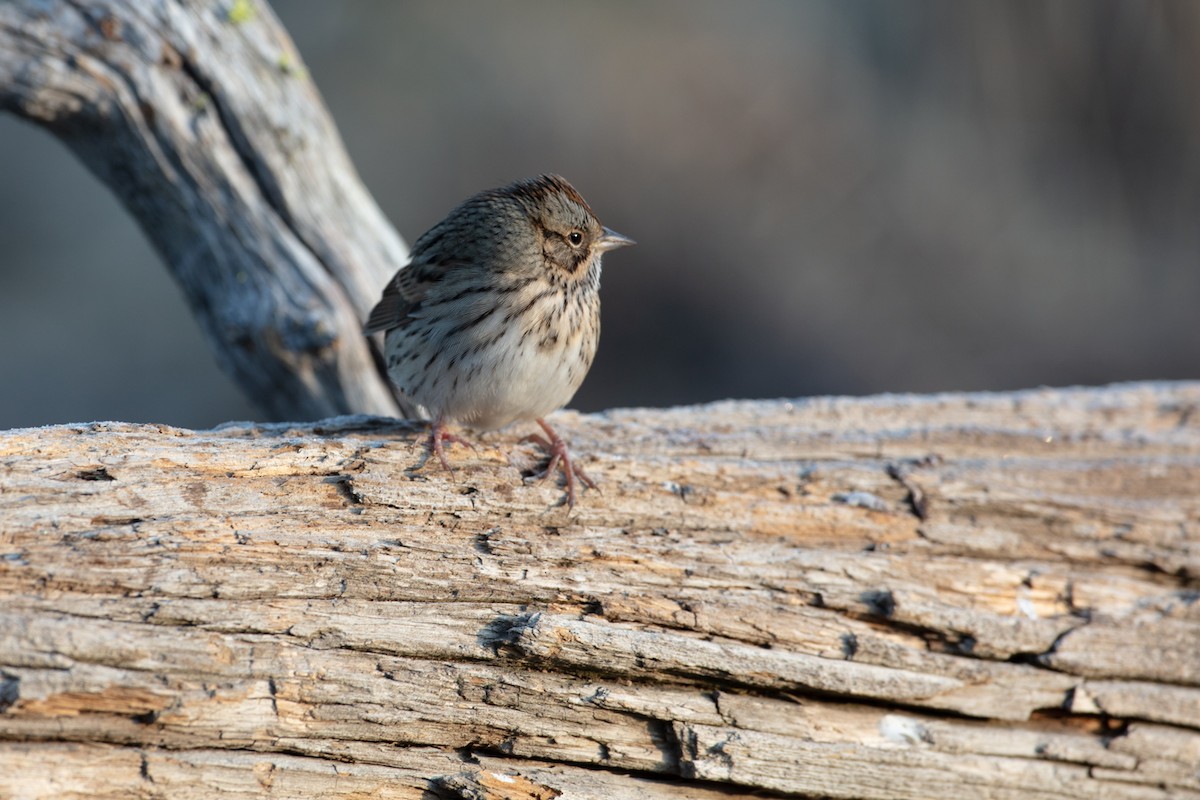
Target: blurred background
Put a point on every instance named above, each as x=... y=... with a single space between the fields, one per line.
x=835 y=197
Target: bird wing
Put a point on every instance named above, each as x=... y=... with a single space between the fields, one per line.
x=404 y=293
x=394 y=305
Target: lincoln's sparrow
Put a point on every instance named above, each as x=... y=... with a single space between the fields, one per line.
x=496 y=318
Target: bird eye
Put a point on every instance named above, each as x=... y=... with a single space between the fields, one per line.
x=575 y=238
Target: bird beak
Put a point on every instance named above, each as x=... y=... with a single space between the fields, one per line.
x=611 y=240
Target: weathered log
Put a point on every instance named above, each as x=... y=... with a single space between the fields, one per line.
x=891 y=597
x=201 y=119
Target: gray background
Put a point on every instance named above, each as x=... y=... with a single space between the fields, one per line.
x=829 y=197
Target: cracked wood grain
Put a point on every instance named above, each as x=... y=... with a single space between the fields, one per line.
x=754 y=603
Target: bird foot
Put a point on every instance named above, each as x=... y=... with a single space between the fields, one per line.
x=560 y=456
x=439 y=436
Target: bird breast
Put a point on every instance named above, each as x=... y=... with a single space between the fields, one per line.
x=502 y=358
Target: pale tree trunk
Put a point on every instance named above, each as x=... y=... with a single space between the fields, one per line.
x=895 y=597
x=201 y=118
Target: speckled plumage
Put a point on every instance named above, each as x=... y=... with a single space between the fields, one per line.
x=496 y=318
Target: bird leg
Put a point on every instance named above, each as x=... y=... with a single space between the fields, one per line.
x=560 y=455
x=438 y=435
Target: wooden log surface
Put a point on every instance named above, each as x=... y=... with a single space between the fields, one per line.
x=982 y=595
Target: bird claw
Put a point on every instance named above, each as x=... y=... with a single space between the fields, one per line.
x=560 y=456
x=554 y=445
x=439 y=436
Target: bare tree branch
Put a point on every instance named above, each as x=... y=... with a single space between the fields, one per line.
x=206 y=126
